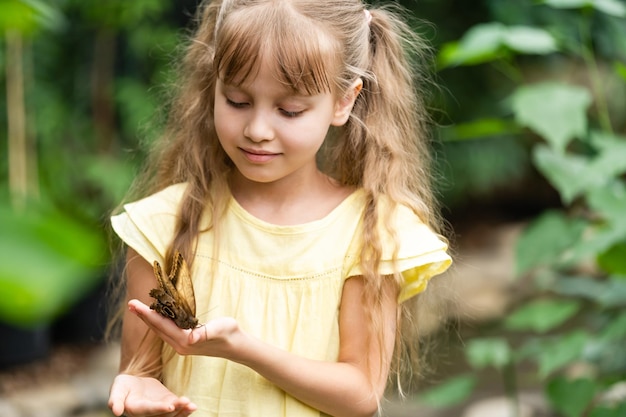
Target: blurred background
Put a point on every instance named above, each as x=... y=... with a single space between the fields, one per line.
x=530 y=147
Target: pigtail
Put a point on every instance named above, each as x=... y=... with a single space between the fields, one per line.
x=385 y=151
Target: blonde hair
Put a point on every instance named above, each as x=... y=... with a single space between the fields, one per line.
x=316 y=46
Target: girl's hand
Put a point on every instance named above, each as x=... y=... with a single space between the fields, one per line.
x=219 y=337
x=136 y=396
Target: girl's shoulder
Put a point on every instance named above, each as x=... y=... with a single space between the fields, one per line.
x=163 y=201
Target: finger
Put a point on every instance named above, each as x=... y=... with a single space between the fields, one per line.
x=184 y=407
x=198 y=334
x=150 y=408
x=117 y=399
x=164 y=327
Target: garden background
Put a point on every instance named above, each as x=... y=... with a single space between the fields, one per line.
x=530 y=145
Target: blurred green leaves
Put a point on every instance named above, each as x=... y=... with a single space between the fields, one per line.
x=611 y=7
x=571 y=260
x=49 y=260
x=490 y=41
x=556 y=111
x=29 y=16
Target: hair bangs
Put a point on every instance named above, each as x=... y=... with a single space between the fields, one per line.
x=303 y=57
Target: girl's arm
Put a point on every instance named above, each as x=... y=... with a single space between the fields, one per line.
x=139 y=281
x=351 y=386
x=137 y=390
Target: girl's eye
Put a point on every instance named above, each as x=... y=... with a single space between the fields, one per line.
x=291 y=114
x=236 y=104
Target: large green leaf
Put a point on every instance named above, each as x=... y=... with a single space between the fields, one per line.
x=529 y=40
x=482 y=353
x=490 y=41
x=545 y=240
x=541 y=315
x=610 y=7
x=555 y=111
x=571 y=397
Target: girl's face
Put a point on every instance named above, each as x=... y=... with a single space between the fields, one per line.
x=270 y=132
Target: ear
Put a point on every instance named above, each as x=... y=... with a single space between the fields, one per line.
x=344 y=105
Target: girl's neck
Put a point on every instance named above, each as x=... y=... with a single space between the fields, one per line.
x=289 y=203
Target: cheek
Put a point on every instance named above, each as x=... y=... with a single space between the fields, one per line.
x=223 y=128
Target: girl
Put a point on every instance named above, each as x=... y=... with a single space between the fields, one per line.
x=294 y=180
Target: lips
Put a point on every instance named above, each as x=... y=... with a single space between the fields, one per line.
x=258 y=155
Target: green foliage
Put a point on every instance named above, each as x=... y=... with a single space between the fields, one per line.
x=483 y=353
x=86 y=69
x=572 y=259
x=489 y=41
x=30 y=16
x=452 y=392
x=542 y=315
x=556 y=111
x=571 y=397
x=49 y=261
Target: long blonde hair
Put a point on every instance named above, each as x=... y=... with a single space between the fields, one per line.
x=316 y=46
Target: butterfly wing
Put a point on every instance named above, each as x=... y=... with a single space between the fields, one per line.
x=170 y=302
x=181 y=279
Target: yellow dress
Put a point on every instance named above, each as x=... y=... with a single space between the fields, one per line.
x=282 y=283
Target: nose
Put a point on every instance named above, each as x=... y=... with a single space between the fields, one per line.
x=259 y=128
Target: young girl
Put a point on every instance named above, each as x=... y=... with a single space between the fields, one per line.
x=294 y=181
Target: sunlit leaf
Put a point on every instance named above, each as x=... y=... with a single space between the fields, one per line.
x=482 y=128
x=529 y=40
x=449 y=393
x=560 y=351
x=571 y=397
x=28 y=16
x=487 y=42
x=555 y=111
x=610 y=7
x=620 y=69
x=542 y=315
x=479 y=44
x=613 y=261
x=546 y=239
x=482 y=353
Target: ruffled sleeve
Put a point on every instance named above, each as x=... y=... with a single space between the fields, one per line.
x=147 y=225
x=421 y=253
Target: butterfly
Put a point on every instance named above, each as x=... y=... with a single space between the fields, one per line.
x=174 y=296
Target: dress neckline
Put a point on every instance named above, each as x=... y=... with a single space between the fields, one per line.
x=246 y=216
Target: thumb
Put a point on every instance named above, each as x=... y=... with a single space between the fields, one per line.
x=197 y=334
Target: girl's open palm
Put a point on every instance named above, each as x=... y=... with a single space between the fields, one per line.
x=136 y=396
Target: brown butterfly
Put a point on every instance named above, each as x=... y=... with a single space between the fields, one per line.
x=174 y=296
